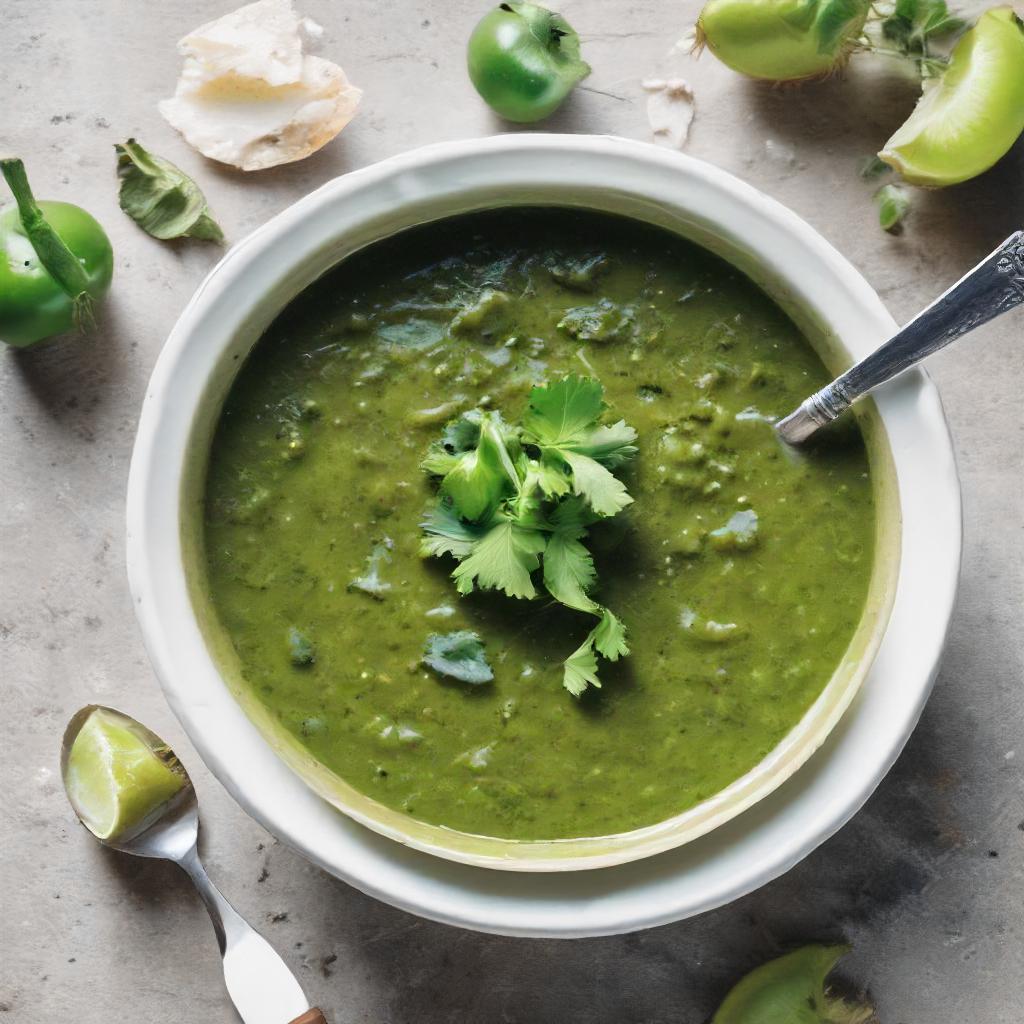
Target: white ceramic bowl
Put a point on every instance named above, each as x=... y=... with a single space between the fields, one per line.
x=841 y=315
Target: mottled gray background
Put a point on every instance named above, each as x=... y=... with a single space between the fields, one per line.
x=927 y=881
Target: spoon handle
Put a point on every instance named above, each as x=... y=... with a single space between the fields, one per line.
x=994 y=286
x=259 y=982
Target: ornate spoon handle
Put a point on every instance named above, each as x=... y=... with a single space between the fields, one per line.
x=994 y=286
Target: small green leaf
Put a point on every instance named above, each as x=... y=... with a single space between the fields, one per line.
x=833 y=20
x=893 y=206
x=569 y=572
x=447 y=533
x=459 y=655
x=914 y=24
x=873 y=167
x=460 y=436
x=611 y=445
x=580 y=669
x=562 y=421
x=561 y=413
x=502 y=560
x=481 y=478
x=571 y=517
x=609 y=636
x=605 y=492
x=163 y=200
x=553 y=474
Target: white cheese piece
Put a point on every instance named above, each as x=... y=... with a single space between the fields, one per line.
x=249 y=96
x=670 y=110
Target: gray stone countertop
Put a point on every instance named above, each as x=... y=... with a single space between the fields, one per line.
x=927 y=881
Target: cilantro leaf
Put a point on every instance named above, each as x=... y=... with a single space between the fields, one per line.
x=459 y=437
x=553 y=474
x=502 y=559
x=572 y=516
x=560 y=413
x=580 y=669
x=605 y=492
x=562 y=420
x=446 y=533
x=481 y=477
x=609 y=636
x=893 y=205
x=459 y=655
x=611 y=445
x=569 y=572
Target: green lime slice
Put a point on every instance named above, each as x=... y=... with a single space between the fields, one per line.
x=114 y=779
x=970 y=115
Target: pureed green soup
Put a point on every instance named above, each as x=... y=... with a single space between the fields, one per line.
x=315 y=494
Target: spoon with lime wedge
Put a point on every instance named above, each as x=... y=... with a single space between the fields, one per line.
x=134 y=795
x=993 y=287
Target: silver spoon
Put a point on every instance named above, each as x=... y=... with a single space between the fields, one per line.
x=994 y=286
x=260 y=984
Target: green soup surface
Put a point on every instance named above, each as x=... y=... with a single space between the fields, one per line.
x=741 y=569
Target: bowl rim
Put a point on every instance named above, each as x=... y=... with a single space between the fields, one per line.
x=204 y=722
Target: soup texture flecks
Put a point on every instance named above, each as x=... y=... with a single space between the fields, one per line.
x=740 y=570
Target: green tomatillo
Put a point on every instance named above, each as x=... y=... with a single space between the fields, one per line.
x=972 y=113
x=782 y=40
x=55 y=262
x=791 y=990
x=524 y=60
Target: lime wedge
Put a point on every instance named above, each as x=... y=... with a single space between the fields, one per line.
x=970 y=115
x=114 y=779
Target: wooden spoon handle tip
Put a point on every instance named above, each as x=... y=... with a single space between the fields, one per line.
x=313 y=1016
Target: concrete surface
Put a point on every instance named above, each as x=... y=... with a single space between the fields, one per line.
x=927 y=881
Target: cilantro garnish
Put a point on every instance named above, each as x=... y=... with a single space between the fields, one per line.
x=515 y=499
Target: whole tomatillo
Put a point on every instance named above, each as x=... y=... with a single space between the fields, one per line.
x=55 y=262
x=792 y=990
x=524 y=60
x=781 y=40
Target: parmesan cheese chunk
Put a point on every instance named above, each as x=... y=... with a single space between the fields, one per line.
x=249 y=96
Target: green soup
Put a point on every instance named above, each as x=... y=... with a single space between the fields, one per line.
x=740 y=570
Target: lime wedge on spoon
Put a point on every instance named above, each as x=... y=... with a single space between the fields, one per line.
x=969 y=116
x=118 y=774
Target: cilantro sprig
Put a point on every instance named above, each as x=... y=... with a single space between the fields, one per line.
x=912 y=27
x=517 y=500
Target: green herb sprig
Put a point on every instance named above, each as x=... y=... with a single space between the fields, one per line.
x=912 y=27
x=515 y=499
